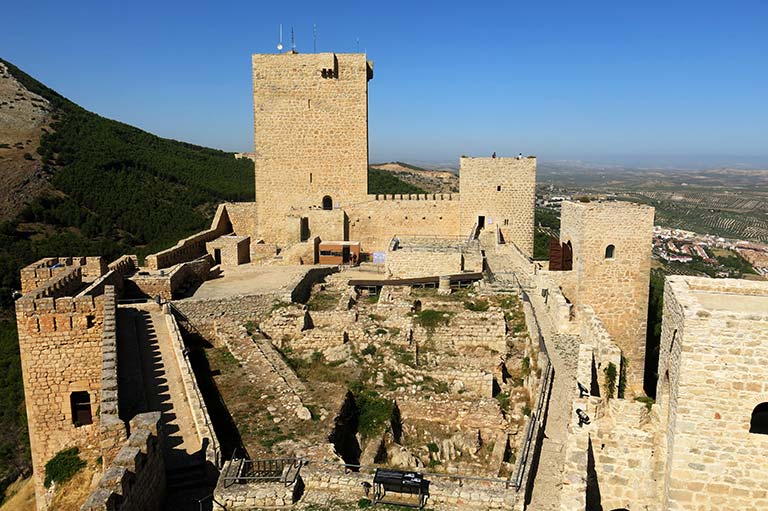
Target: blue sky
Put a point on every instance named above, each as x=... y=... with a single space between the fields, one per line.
x=652 y=81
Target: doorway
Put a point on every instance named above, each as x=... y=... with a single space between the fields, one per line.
x=480 y=222
x=217 y=255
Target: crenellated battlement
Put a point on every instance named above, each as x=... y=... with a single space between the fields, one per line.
x=416 y=196
x=63 y=283
x=135 y=480
x=37 y=273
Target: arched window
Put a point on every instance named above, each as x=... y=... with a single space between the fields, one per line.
x=609 y=251
x=759 y=423
x=327 y=202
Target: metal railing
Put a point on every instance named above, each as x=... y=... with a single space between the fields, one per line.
x=242 y=471
x=535 y=424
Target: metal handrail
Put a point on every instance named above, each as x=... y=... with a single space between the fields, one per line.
x=534 y=426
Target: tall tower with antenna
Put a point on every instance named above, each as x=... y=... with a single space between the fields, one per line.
x=310 y=139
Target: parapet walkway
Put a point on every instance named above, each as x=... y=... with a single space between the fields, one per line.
x=148 y=358
x=548 y=479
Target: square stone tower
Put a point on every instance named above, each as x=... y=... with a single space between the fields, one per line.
x=611 y=244
x=712 y=394
x=310 y=135
x=60 y=343
x=499 y=192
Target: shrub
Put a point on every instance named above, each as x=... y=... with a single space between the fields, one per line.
x=364 y=503
x=622 y=377
x=648 y=401
x=63 y=466
x=432 y=447
x=526 y=366
x=369 y=350
x=431 y=319
x=503 y=399
x=375 y=412
x=610 y=380
x=381 y=331
x=480 y=305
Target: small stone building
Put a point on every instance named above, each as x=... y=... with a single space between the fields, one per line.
x=229 y=250
x=712 y=394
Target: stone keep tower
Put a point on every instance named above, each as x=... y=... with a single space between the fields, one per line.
x=60 y=342
x=499 y=192
x=611 y=244
x=310 y=135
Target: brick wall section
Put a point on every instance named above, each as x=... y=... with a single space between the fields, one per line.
x=60 y=344
x=616 y=288
x=503 y=190
x=135 y=480
x=714 y=343
x=311 y=134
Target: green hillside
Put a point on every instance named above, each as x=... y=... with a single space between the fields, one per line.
x=116 y=190
x=383 y=182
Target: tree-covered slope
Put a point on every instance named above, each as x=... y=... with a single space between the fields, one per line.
x=112 y=189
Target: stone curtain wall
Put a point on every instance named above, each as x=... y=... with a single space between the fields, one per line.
x=311 y=133
x=203 y=425
x=135 y=480
x=327 y=225
x=194 y=246
x=503 y=190
x=715 y=367
x=112 y=431
x=616 y=288
x=60 y=345
x=374 y=222
x=243 y=218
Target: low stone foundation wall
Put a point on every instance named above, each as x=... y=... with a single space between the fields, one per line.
x=135 y=480
x=252 y=495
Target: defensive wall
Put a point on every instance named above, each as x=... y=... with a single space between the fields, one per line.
x=60 y=342
x=194 y=246
x=135 y=479
x=311 y=157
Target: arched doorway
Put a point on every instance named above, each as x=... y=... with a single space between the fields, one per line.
x=759 y=422
x=327 y=203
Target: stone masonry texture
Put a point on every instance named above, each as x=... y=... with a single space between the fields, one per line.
x=615 y=287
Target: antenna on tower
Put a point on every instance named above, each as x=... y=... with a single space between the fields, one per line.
x=314 y=38
x=280 y=43
x=293 y=41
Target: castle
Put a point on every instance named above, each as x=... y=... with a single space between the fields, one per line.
x=113 y=374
